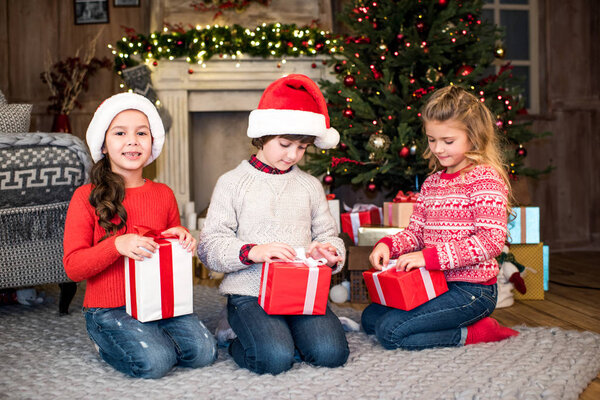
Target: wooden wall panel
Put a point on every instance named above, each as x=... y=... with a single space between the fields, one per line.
x=38 y=27
x=570 y=110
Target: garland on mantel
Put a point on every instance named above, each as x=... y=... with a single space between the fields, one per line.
x=199 y=44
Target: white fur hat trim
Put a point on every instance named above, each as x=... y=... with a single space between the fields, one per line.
x=264 y=122
x=109 y=109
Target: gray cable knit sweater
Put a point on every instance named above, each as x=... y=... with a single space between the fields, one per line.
x=251 y=206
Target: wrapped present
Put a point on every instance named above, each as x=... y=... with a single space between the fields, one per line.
x=369 y=235
x=535 y=259
x=360 y=215
x=398 y=211
x=404 y=290
x=300 y=287
x=160 y=286
x=525 y=228
x=334 y=208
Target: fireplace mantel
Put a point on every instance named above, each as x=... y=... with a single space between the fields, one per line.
x=217 y=85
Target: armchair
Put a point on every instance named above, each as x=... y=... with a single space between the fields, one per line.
x=38 y=174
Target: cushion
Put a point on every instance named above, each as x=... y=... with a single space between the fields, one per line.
x=15 y=118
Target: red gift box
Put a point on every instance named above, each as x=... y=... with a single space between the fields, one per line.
x=404 y=290
x=295 y=288
x=160 y=286
x=351 y=221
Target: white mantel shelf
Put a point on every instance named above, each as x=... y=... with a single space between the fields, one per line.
x=221 y=85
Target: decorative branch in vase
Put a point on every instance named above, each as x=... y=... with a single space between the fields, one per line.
x=66 y=79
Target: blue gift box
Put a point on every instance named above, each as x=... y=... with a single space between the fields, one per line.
x=546 y=255
x=525 y=228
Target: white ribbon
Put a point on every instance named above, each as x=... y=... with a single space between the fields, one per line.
x=390 y=264
x=428 y=283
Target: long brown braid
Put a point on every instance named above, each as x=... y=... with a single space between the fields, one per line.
x=107 y=197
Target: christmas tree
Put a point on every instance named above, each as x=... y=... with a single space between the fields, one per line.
x=398 y=53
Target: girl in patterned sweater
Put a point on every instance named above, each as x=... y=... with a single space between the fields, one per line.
x=126 y=134
x=458 y=226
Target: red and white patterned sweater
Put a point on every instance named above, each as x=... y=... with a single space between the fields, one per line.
x=459 y=222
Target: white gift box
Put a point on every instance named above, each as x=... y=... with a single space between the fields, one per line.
x=161 y=286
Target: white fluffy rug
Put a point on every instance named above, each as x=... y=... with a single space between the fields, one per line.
x=46 y=356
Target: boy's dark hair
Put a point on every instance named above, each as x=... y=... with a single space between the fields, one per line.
x=259 y=142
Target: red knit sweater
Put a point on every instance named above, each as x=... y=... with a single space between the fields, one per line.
x=459 y=221
x=152 y=205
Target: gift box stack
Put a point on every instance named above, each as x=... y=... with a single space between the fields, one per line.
x=526 y=246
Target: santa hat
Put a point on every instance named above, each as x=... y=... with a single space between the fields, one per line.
x=293 y=105
x=109 y=109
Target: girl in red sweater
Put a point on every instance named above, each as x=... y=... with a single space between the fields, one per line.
x=458 y=226
x=126 y=134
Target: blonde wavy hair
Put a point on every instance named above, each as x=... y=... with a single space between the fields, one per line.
x=453 y=103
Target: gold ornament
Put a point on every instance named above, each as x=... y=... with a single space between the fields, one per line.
x=499 y=52
x=372 y=156
x=379 y=142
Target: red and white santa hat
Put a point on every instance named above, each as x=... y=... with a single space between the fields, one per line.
x=109 y=109
x=293 y=105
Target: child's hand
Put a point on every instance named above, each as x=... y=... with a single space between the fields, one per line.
x=271 y=251
x=324 y=250
x=380 y=256
x=135 y=246
x=186 y=240
x=409 y=261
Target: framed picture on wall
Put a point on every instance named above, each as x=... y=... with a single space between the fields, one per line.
x=91 y=11
x=126 y=3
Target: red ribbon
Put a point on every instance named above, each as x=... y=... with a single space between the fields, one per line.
x=409 y=197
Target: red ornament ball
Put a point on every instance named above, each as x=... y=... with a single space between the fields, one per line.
x=338 y=68
x=190 y=71
x=155 y=63
x=404 y=152
x=343 y=146
x=400 y=37
x=371 y=187
x=313 y=65
x=348 y=113
x=377 y=74
x=420 y=25
x=328 y=180
x=522 y=152
x=349 y=81
x=465 y=70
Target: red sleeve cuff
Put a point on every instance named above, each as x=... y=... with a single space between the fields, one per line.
x=387 y=241
x=432 y=261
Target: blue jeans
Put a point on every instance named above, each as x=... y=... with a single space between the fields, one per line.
x=441 y=322
x=150 y=349
x=267 y=343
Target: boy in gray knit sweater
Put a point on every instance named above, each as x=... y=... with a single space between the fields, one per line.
x=262 y=210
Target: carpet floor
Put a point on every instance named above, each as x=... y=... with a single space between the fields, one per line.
x=46 y=356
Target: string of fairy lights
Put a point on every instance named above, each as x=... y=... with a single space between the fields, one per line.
x=199 y=44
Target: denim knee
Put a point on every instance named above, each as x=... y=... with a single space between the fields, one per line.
x=150 y=365
x=324 y=354
x=203 y=352
x=274 y=359
x=389 y=334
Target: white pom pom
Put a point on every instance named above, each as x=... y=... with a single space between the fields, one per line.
x=338 y=294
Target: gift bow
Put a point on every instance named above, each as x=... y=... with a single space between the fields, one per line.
x=330 y=196
x=359 y=207
x=409 y=197
x=308 y=261
x=149 y=232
